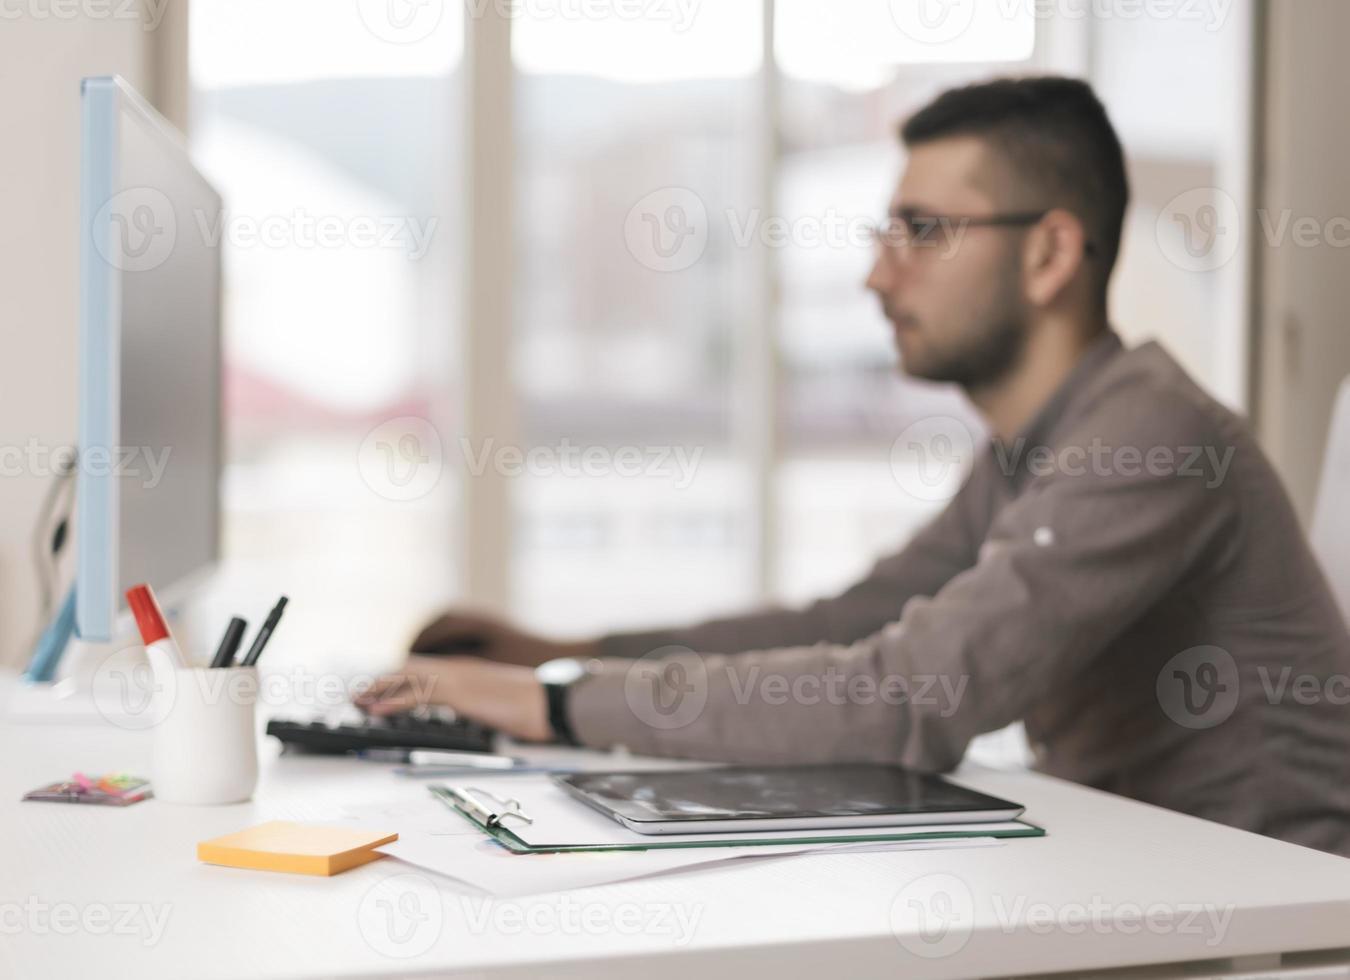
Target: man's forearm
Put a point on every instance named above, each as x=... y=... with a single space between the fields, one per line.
x=940 y=550
x=814 y=704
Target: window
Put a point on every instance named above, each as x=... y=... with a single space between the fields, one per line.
x=689 y=206
x=846 y=487
x=331 y=133
x=629 y=290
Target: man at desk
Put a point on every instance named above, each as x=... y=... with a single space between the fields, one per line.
x=1122 y=569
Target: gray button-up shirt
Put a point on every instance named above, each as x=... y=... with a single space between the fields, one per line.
x=1127 y=577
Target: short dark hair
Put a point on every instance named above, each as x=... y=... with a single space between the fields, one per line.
x=1055 y=135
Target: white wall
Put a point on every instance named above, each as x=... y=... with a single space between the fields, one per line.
x=42 y=59
x=1304 y=334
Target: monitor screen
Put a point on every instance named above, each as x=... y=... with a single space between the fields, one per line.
x=148 y=484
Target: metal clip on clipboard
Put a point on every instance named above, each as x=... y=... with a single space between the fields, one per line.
x=491 y=814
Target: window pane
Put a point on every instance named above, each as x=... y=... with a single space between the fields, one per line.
x=857 y=46
x=328 y=133
x=632 y=141
x=843 y=403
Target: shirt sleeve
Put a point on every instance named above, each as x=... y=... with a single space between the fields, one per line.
x=1066 y=567
x=942 y=548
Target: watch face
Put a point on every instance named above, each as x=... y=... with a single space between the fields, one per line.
x=562 y=671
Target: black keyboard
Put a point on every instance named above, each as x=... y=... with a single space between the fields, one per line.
x=412 y=730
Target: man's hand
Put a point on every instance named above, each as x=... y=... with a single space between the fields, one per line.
x=503 y=696
x=493 y=638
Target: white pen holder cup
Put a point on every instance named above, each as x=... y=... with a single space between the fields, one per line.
x=205 y=738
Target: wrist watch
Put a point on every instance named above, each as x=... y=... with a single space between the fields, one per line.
x=557 y=677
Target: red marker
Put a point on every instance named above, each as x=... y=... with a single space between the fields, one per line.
x=160 y=645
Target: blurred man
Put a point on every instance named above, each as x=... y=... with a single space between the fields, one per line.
x=1122 y=570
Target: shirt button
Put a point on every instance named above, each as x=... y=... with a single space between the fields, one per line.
x=1044 y=537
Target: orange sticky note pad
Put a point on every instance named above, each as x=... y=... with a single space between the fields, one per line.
x=281 y=845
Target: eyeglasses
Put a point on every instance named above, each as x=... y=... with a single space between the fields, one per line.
x=907 y=227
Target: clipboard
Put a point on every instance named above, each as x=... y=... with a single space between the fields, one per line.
x=520 y=826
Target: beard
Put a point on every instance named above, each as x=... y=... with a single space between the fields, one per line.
x=983 y=350
x=979 y=359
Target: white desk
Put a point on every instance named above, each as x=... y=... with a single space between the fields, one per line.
x=830 y=915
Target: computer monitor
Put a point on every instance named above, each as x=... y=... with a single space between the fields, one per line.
x=148 y=476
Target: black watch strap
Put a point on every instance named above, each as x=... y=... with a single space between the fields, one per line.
x=559 y=718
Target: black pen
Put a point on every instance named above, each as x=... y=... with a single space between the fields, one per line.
x=264 y=634
x=229 y=643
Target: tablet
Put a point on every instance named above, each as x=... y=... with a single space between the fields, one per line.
x=744 y=798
